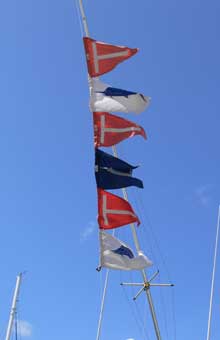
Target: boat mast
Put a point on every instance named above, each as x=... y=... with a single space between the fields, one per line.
x=213 y=277
x=13 y=307
x=146 y=284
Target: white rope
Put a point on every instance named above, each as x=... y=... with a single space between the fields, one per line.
x=213 y=278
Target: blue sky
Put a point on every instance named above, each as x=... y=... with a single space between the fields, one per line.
x=48 y=192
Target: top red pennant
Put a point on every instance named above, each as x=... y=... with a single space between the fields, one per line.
x=102 y=58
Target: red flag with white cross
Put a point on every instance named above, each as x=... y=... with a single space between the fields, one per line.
x=110 y=129
x=114 y=211
x=102 y=58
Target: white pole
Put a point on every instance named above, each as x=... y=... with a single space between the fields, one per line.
x=213 y=277
x=149 y=298
x=13 y=307
x=85 y=25
x=144 y=275
x=102 y=306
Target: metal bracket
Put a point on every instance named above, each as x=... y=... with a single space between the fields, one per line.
x=146 y=285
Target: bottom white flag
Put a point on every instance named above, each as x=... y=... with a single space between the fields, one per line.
x=115 y=254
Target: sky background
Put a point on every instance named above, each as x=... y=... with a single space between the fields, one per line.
x=48 y=202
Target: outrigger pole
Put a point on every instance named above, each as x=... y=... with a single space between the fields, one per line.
x=146 y=284
x=213 y=277
x=13 y=307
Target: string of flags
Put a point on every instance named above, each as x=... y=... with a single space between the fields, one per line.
x=111 y=172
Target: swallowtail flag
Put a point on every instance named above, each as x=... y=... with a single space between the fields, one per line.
x=113 y=173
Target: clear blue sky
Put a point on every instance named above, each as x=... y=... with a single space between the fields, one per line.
x=48 y=193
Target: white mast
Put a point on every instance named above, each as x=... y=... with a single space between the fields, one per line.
x=144 y=275
x=146 y=285
x=13 y=307
x=213 y=277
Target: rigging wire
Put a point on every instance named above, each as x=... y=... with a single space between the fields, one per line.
x=146 y=241
x=135 y=315
x=147 y=245
x=162 y=303
x=136 y=305
x=145 y=217
x=16 y=326
x=173 y=313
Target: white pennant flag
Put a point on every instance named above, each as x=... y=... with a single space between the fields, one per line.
x=105 y=98
x=115 y=254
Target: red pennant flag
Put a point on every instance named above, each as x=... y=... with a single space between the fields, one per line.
x=114 y=211
x=102 y=58
x=110 y=129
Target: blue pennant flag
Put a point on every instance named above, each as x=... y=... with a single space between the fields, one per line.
x=113 y=173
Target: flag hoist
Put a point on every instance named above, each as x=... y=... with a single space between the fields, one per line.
x=111 y=172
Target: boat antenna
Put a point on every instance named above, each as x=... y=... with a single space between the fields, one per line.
x=13 y=307
x=213 y=277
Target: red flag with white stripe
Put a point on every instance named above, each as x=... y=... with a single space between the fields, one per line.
x=102 y=58
x=110 y=129
x=114 y=211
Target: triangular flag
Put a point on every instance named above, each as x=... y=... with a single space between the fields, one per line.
x=114 y=211
x=109 y=99
x=113 y=173
x=115 y=254
x=110 y=129
x=102 y=58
